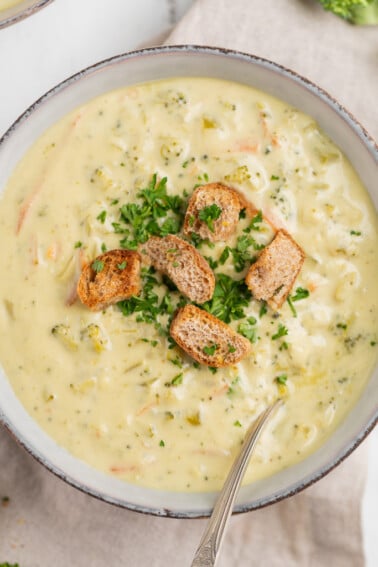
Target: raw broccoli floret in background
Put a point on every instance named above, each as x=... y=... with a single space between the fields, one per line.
x=360 y=12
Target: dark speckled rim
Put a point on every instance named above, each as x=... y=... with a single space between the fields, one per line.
x=20 y=12
x=370 y=146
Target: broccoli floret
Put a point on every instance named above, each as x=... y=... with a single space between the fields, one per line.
x=360 y=12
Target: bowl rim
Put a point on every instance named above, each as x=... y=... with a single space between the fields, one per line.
x=371 y=146
x=20 y=11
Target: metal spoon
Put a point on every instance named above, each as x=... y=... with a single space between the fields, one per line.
x=208 y=549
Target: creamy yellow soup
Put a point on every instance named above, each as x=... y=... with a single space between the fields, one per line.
x=110 y=386
x=5 y=4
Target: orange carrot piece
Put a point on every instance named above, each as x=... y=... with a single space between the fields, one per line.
x=29 y=201
x=146 y=408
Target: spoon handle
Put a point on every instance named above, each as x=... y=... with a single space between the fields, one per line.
x=207 y=552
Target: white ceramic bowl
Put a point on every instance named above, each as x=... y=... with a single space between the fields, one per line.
x=147 y=65
x=21 y=10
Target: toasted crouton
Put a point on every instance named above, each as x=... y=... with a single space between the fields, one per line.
x=183 y=264
x=206 y=338
x=272 y=276
x=109 y=278
x=225 y=198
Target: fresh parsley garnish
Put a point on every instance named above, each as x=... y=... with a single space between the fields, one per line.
x=101 y=217
x=122 y=265
x=155 y=214
x=161 y=444
x=209 y=214
x=281 y=379
x=255 y=222
x=263 y=309
x=78 y=244
x=281 y=332
x=300 y=293
x=97 y=265
x=248 y=329
x=229 y=299
x=210 y=350
x=241 y=254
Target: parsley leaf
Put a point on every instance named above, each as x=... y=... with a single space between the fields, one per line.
x=97 y=265
x=253 y=225
x=300 y=293
x=281 y=332
x=155 y=214
x=210 y=350
x=101 y=217
x=229 y=299
x=122 y=266
x=281 y=379
x=209 y=214
x=248 y=329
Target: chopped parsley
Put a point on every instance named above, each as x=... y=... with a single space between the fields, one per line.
x=229 y=299
x=248 y=329
x=122 y=265
x=210 y=350
x=263 y=309
x=161 y=444
x=300 y=293
x=209 y=214
x=355 y=232
x=176 y=381
x=97 y=266
x=101 y=217
x=281 y=332
x=241 y=254
x=281 y=379
x=231 y=348
x=255 y=222
x=237 y=423
x=155 y=214
x=78 y=244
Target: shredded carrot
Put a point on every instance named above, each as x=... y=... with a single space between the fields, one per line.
x=146 y=408
x=123 y=468
x=220 y=391
x=81 y=262
x=246 y=146
x=275 y=141
x=29 y=201
x=53 y=251
x=25 y=208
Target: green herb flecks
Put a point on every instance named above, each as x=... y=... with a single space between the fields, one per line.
x=281 y=332
x=281 y=379
x=241 y=254
x=300 y=293
x=122 y=265
x=148 y=306
x=155 y=214
x=229 y=299
x=101 y=217
x=97 y=265
x=248 y=329
x=209 y=214
x=255 y=222
x=210 y=349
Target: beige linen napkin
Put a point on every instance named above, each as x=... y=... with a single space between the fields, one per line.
x=46 y=523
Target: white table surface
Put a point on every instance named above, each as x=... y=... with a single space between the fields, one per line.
x=67 y=36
